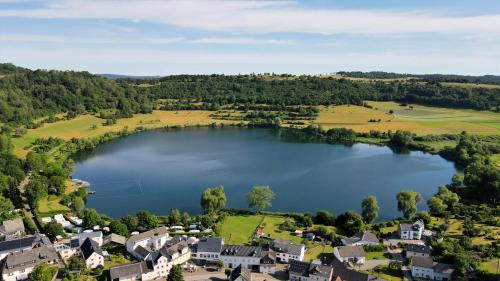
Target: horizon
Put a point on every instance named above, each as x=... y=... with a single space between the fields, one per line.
x=161 y=38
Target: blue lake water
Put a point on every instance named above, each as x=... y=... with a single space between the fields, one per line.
x=160 y=170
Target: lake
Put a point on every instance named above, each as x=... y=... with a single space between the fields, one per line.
x=160 y=170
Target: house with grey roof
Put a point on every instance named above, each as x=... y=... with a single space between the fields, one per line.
x=114 y=238
x=12 y=229
x=412 y=231
x=207 y=249
x=134 y=271
x=17 y=265
x=309 y=271
x=351 y=254
x=342 y=273
x=152 y=240
x=240 y=273
x=414 y=250
x=17 y=245
x=426 y=268
x=286 y=250
x=360 y=239
x=92 y=253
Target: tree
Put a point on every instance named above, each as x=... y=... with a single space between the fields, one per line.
x=6 y=209
x=91 y=218
x=76 y=263
x=449 y=198
x=42 y=272
x=175 y=274
x=34 y=161
x=77 y=203
x=407 y=202
x=213 y=199
x=53 y=229
x=147 y=220
x=370 y=208
x=325 y=217
x=119 y=228
x=351 y=222
x=424 y=217
x=260 y=197
x=185 y=218
x=436 y=206
x=130 y=221
x=174 y=218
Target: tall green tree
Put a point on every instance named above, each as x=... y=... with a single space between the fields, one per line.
x=147 y=220
x=407 y=202
x=213 y=199
x=91 y=218
x=260 y=197
x=369 y=209
x=351 y=222
x=175 y=274
x=174 y=217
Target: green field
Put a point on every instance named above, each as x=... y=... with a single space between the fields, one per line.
x=491 y=266
x=316 y=251
x=240 y=229
x=376 y=256
x=50 y=205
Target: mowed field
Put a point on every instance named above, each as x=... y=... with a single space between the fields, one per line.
x=86 y=126
x=418 y=119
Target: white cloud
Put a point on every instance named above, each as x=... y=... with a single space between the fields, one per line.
x=241 y=41
x=51 y=39
x=264 y=17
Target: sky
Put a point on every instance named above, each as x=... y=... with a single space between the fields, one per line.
x=161 y=37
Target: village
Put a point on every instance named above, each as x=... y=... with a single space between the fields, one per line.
x=201 y=255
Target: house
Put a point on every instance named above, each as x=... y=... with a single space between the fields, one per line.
x=413 y=250
x=132 y=272
x=94 y=235
x=18 y=265
x=309 y=271
x=411 y=231
x=92 y=253
x=287 y=251
x=17 y=245
x=235 y=255
x=114 y=239
x=268 y=262
x=360 y=239
x=240 y=273
x=177 y=250
x=12 y=229
x=342 y=273
x=352 y=254
x=140 y=245
x=208 y=249
x=426 y=268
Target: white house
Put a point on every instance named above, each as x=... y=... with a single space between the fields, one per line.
x=411 y=231
x=352 y=254
x=286 y=250
x=92 y=253
x=304 y=271
x=413 y=250
x=426 y=268
x=360 y=239
x=142 y=244
x=235 y=255
x=18 y=265
x=94 y=235
x=208 y=249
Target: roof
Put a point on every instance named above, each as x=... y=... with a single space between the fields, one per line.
x=17 y=244
x=241 y=271
x=241 y=251
x=422 y=262
x=361 y=236
x=129 y=270
x=27 y=259
x=443 y=268
x=143 y=252
x=418 y=248
x=89 y=247
x=12 y=226
x=160 y=231
x=342 y=272
x=268 y=258
x=209 y=244
x=309 y=269
x=286 y=246
x=115 y=238
x=411 y=227
x=351 y=251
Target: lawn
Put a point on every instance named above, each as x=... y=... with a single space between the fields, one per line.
x=316 y=251
x=50 y=205
x=491 y=266
x=387 y=273
x=376 y=256
x=240 y=229
x=85 y=126
x=496 y=159
x=455 y=230
x=115 y=259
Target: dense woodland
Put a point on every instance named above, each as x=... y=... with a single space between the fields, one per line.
x=485 y=79
x=26 y=95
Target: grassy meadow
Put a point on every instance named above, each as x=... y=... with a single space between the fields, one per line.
x=418 y=119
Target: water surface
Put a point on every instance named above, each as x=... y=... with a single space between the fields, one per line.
x=160 y=170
